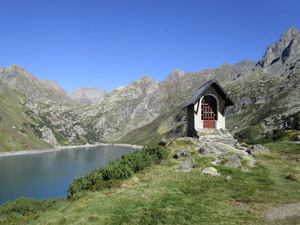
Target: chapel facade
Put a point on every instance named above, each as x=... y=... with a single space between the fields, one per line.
x=207 y=108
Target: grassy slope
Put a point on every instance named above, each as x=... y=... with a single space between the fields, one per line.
x=254 y=119
x=159 y=195
x=13 y=133
x=165 y=125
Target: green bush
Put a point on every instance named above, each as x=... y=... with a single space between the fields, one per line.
x=22 y=207
x=79 y=184
x=118 y=169
x=277 y=134
x=93 y=177
x=106 y=184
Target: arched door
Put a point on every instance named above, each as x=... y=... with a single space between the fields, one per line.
x=209 y=111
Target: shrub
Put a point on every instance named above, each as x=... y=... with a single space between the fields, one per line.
x=118 y=169
x=106 y=184
x=16 y=210
x=77 y=186
x=277 y=134
x=93 y=177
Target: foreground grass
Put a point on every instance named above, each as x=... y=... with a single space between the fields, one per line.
x=160 y=195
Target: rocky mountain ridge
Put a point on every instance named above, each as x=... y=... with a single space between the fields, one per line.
x=16 y=77
x=148 y=110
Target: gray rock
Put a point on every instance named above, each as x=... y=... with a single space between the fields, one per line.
x=188 y=164
x=175 y=76
x=182 y=153
x=211 y=171
x=249 y=159
x=232 y=161
x=258 y=149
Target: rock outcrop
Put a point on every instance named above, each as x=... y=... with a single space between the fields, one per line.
x=286 y=51
x=222 y=148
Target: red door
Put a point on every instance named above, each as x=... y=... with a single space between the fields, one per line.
x=209 y=111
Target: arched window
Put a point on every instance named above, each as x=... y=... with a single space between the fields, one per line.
x=209 y=111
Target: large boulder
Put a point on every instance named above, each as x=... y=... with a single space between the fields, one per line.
x=258 y=149
x=211 y=171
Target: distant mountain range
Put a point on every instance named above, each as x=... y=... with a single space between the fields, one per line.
x=87 y=96
x=38 y=113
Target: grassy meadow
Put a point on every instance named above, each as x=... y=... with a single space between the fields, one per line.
x=162 y=194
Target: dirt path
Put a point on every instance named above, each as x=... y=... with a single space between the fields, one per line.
x=282 y=212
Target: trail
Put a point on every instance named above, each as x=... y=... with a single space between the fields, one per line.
x=282 y=212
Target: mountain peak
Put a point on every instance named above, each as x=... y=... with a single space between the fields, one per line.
x=278 y=52
x=291 y=32
x=175 y=76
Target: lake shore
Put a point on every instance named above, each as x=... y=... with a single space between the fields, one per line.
x=37 y=151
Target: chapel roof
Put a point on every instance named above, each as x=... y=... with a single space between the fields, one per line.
x=214 y=83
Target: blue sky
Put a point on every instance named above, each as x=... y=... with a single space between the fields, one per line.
x=109 y=43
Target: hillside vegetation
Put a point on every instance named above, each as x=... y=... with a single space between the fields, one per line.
x=162 y=194
x=15 y=131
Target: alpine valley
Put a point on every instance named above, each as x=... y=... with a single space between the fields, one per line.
x=40 y=114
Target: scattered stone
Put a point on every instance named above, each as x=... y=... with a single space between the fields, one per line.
x=232 y=161
x=188 y=164
x=229 y=178
x=226 y=141
x=244 y=145
x=211 y=171
x=258 y=149
x=182 y=153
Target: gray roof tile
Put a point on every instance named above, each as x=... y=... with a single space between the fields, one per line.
x=204 y=87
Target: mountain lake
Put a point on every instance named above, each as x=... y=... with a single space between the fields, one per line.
x=48 y=174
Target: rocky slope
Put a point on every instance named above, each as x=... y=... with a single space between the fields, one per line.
x=266 y=95
x=86 y=96
x=16 y=77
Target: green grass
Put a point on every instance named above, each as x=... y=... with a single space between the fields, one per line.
x=284 y=147
x=159 y=195
x=165 y=125
x=14 y=133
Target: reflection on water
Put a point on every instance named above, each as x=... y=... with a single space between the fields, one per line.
x=48 y=174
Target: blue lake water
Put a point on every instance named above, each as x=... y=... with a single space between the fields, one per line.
x=48 y=174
